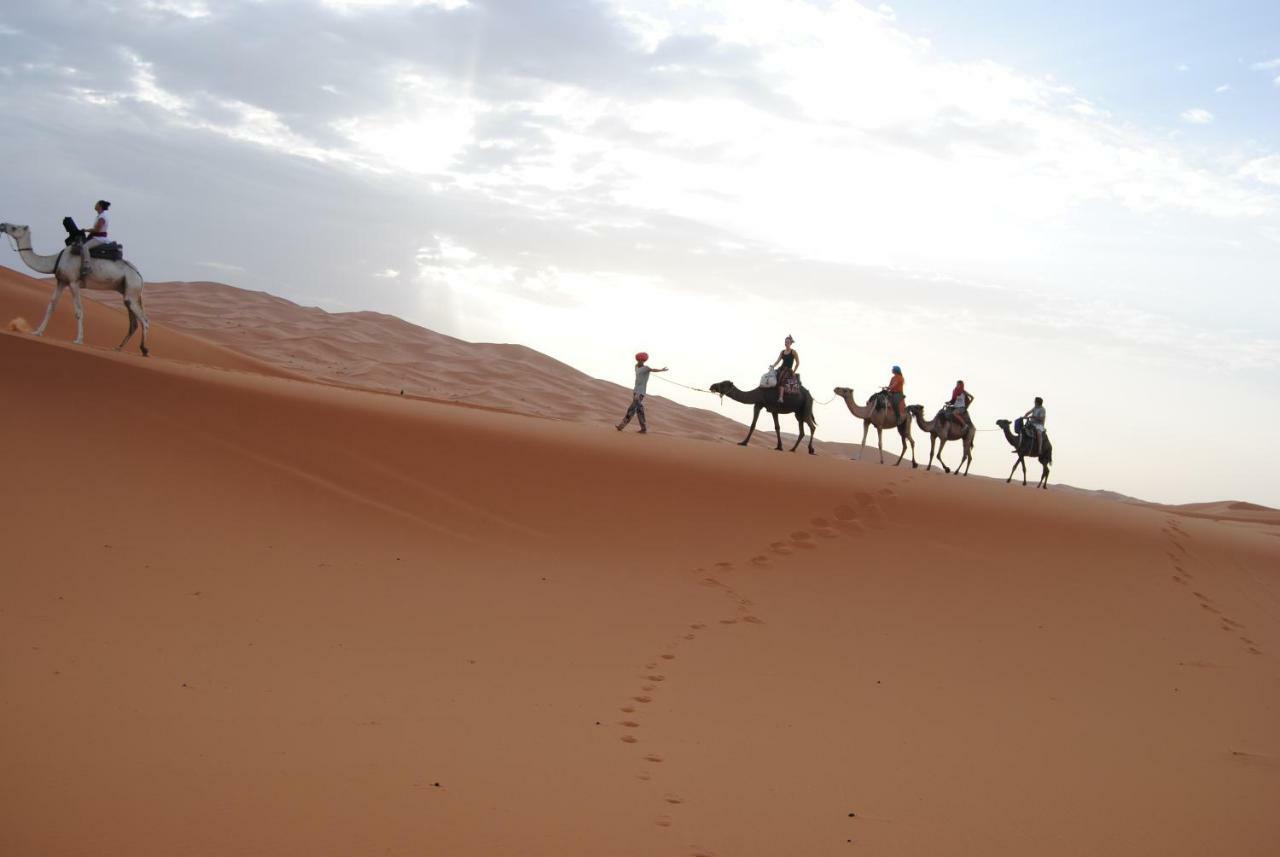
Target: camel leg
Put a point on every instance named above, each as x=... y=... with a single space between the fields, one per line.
x=142 y=318
x=902 y=454
x=58 y=286
x=1023 y=462
x=942 y=442
x=800 y=422
x=777 y=430
x=880 y=442
x=932 y=442
x=1044 y=476
x=754 y=418
x=866 y=427
x=813 y=432
x=1013 y=471
x=133 y=325
x=75 y=298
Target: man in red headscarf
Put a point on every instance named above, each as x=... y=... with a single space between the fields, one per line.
x=638 y=393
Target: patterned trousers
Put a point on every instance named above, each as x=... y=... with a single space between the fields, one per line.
x=636 y=410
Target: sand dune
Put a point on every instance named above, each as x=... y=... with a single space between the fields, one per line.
x=381 y=352
x=23 y=301
x=247 y=614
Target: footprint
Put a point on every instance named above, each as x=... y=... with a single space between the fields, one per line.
x=698 y=627
x=627 y=709
x=800 y=536
x=820 y=522
x=851 y=527
x=1177 y=579
x=663 y=821
x=674 y=800
x=643 y=699
x=691 y=636
x=1201 y=596
x=648 y=687
x=864 y=499
x=669 y=657
x=644 y=775
x=629 y=739
x=630 y=724
x=728 y=621
x=1253 y=651
x=825 y=533
x=760 y=559
x=656 y=677
x=845 y=513
x=650 y=666
x=653 y=757
x=1209 y=608
x=710 y=581
x=1246 y=640
x=724 y=565
x=1233 y=623
x=754 y=620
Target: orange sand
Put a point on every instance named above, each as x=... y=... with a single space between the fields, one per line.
x=250 y=614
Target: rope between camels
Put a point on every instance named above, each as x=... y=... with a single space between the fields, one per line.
x=686 y=386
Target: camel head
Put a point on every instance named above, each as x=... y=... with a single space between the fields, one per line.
x=916 y=410
x=721 y=387
x=17 y=233
x=1004 y=424
x=844 y=392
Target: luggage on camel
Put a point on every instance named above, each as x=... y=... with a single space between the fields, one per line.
x=112 y=251
x=769 y=379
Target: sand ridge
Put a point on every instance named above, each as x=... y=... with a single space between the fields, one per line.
x=292 y=618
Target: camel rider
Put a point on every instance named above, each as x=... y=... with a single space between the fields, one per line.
x=958 y=407
x=787 y=364
x=638 y=393
x=1035 y=419
x=95 y=235
x=896 y=392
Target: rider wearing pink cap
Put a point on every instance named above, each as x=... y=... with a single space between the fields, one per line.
x=638 y=393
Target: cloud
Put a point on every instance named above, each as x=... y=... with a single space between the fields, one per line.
x=1226 y=87
x=1265 y=170
x=1183 y=67
x=1267 y=65
x=1196 y=116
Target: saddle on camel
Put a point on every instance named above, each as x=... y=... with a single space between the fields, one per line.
x=76 y=237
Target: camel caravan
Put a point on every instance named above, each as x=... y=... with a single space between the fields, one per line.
x=89 y=261
x=780 y=392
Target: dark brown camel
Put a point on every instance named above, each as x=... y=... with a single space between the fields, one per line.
x=766 y=399
x=1026 y=446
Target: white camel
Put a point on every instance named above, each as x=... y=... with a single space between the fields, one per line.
x=104 y=275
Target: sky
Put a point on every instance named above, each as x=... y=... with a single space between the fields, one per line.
x=1076 y=201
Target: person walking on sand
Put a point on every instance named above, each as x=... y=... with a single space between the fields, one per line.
x=787 y=364
x=638 y=393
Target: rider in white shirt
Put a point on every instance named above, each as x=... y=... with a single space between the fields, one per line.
x=95 y=235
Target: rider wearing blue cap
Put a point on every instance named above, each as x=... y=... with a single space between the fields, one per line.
x=896 y=392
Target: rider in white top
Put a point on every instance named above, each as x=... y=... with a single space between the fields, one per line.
x=94 y=235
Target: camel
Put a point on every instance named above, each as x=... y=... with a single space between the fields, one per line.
x=1025 y=446
x=766 y=398
x=881 y=419
x=104 y=275
x=940 y=434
